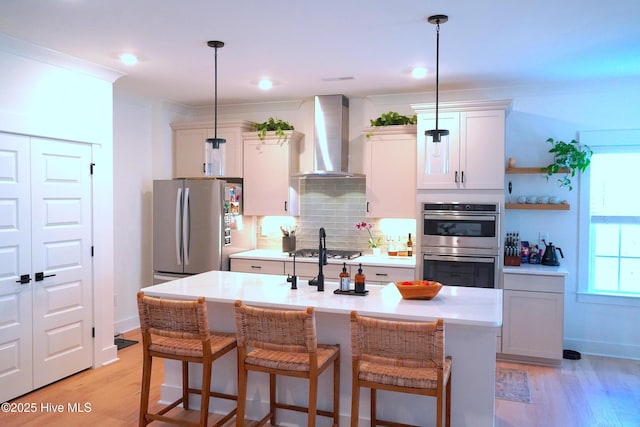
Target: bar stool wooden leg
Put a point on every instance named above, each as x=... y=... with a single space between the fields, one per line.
x=448 y=403
x=313 y=400
x=373 y=406
x=336 y=392
x=185 y=385
x=272 y=398
x=144 y=395
x=205 y=394
x=242 y=396
x=355 y=398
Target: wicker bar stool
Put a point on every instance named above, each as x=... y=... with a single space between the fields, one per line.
x=179 y=330
x=283 y=342
x=406 y=357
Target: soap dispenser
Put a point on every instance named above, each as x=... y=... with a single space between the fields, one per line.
x=345 y=280
x=359 y=280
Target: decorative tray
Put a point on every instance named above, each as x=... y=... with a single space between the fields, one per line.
x=351 y=292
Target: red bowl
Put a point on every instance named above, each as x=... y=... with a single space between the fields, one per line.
x=418 y=289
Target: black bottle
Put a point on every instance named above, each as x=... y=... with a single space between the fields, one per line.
x=359 y=280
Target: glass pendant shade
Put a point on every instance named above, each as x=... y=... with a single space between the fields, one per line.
x=215 y=154
x=437 y=143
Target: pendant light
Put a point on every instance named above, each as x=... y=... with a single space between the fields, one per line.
x=214 y=151
x=437 y=139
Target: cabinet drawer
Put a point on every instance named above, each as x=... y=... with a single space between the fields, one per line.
x=257 y=266
x=384 y=274
x=309 y=270
x=534 y=283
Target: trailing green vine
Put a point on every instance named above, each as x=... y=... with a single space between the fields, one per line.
x=273 y=125
x=392 y=118
x=569 y=155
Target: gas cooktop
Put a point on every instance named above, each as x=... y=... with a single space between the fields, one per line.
x=331 y=254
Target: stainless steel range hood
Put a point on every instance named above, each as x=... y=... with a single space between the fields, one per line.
x=331 y=138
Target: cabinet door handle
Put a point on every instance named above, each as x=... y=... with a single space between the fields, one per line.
x=462 y=177
x=285 y=206
x=24 y=279
x=367 y=207
x=455 y=179
x=256 y=266
x=381 y=274
x=41 y=276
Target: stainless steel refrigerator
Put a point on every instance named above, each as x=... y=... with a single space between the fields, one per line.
x=194 y=225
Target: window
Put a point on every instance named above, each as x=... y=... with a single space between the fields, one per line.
x=610 y=218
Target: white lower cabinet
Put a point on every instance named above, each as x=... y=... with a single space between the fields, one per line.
x=533 y=316
x=375 y=274
x=257 y=266
x=309 y=270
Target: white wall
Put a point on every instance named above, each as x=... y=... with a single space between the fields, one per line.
x=537 y=113
x=50 y=95
x=142 y=153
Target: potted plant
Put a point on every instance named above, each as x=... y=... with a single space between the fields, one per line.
x=569 y=156
x=276 y=125
x=392 y=118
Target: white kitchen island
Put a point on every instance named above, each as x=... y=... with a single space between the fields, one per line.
x=471 y=318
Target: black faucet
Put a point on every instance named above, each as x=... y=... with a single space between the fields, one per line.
x=322 y=260
x=293 y=279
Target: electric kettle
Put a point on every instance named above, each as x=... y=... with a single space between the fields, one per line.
x=550 y=257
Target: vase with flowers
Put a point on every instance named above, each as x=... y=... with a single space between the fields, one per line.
x=373 y=242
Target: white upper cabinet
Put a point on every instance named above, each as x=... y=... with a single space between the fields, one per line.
x=473 y=158
x=390 y=170
x=268 y=188
x=189 y=146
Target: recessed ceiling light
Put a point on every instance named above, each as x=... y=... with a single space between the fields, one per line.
x=265 y=84
x=419 y=73
x=128 y=59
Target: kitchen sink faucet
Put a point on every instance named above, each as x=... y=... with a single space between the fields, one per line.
x=322 y=260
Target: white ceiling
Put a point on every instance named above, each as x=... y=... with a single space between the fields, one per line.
x=302 y=44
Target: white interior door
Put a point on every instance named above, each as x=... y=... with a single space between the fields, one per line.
x=61 y=252
x=15 y=253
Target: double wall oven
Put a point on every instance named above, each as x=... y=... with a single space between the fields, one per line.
x=460 y=244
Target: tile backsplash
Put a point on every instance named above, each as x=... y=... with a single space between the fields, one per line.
x=336 y=204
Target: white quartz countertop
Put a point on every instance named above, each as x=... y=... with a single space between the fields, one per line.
x=370 y=260
x=538 y=269
x=456 y=305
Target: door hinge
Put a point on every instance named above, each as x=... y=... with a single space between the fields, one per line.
x=93 y=332
x=91 y=167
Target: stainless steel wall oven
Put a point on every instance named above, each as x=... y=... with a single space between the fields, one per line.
x=460 y=243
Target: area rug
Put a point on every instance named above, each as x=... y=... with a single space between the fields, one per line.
x=512 y=384
x=123 y=343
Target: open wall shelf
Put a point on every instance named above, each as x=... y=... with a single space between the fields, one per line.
x=534 y=170
x=535 y=206
x=538 y=206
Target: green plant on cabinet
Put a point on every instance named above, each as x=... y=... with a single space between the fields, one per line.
x=392 y=118
x=273 y=124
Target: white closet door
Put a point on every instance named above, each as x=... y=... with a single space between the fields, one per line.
x=61 y=250
x=15 y=254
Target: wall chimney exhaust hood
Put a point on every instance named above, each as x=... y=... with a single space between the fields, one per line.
x=331 y=138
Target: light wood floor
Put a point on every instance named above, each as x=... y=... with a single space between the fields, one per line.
x=594 y=391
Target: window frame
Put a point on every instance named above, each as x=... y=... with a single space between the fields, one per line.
x=598 y=141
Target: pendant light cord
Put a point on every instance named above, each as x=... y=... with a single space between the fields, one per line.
x=437 y=69
x=215 y=100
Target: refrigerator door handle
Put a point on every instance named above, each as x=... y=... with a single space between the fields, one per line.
x=186 y=236
x=178 y=226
